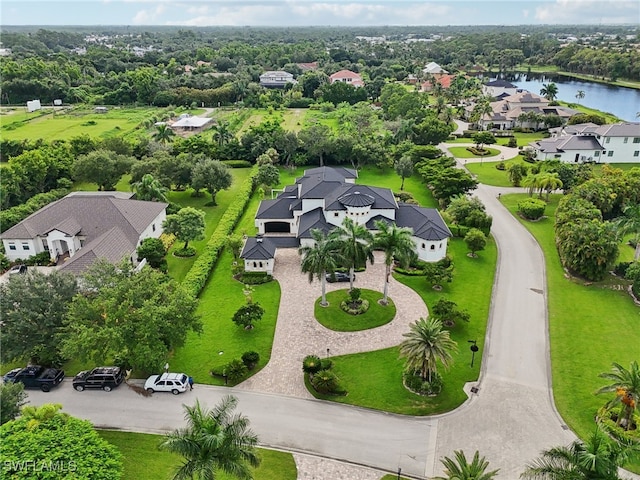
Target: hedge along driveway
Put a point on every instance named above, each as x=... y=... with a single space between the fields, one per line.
x=590 y=326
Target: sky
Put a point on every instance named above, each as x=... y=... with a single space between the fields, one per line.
x=203 y=13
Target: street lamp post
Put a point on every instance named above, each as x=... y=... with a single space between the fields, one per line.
x=474 y=348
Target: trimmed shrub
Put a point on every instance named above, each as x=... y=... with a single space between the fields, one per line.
x=199 y=273
x=254 y=278
x=235 y=370
x=531 y=208
x=237 y=163
x=621 y=268
x=415 y=383
x=184 y=252
x=42 y=258
x=501 y=166
x=325 y=381
x=250 y=359
x=632 y=272
x=513 y=143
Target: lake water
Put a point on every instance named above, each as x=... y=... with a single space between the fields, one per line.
x=622 y=102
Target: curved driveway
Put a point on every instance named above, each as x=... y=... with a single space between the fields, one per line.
x=510 y=419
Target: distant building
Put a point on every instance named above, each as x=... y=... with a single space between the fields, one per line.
x=276 y=79
x=347 y=76
x=101 y=109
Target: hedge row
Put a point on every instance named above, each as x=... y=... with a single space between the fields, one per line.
x=197 y=276
x=14 y=215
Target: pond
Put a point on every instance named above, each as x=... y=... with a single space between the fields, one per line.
x=622 y=102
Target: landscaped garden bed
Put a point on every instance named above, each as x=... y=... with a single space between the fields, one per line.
x=335 y=318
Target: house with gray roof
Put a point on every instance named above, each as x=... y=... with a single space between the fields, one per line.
x=276 y=79
x=591 y=143
x=321 y=199
x=83 y=227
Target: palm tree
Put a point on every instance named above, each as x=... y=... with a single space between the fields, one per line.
x=580 y=94
x=549 y=91
x=626 y=384
x=426 y=344
x=548 y=181
x=163 y=134
x=596 y=459
x=461 y=469
x=630 y=224
x=354 y=245
x=319 y=259
x=396 y=243
x=532 y=182
x=214 y=440
x=221 y=133
x=150 y=189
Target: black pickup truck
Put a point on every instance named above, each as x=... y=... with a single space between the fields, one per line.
x=35 y=376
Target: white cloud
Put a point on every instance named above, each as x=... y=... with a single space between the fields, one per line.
x=149 y=17
x=588 y=11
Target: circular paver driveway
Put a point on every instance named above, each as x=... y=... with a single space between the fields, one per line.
x=298 y=334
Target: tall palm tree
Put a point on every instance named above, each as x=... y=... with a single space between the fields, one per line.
x=629 y=223
x=580 y=94
x=626 y=384
x=427 y=343
x=164 y=134
x=221 y=133
x=214 y=440
x=548 y=181
x=460 y=468
x=596 y=459
x=549 y=91
x=396 y=243
x=354 y=244
x=150 y=189
x=531 y=182
x=319 y=259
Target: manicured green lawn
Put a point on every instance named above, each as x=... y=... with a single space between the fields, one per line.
x=64 y=126
x=381 y=371
x=590 y=326
x=142 y=459
x=462 y=152
x=179 y=266
x=487 y=173
x=334 y=318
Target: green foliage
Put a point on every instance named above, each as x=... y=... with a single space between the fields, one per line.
x=311 y=364
x=532 y=208
x=55 y=442
x=247 y=315
x=438 y=273
x=447 y=312
x=101 y=167
x=325 y=381
x=268 y=174
x=138 y=318
x=469 y=212
x=196 y=278
x=417 y=384
x=254 y=278
x=211 y=175
x=153 y=250
x=444 y=180
x=632 y=272
x=459 y=468
x=250 y=359
x=186 y=225
x=237 y=163
x=236 y=370
x=476 y=240
x=516 y=172
x=12 y=216
x=216 y=439
x=33 y=308
x=12 y=398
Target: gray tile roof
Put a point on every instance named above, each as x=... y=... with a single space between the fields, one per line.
x=426 y=223
x=628 y=129
x=113 y=245
x=382 y=197
x=332 y=173
x=311 y=220
x=570 y=142
x=258 y=248
x=275 y=209
x=500 y=83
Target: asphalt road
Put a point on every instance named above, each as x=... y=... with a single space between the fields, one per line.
x=356 y=435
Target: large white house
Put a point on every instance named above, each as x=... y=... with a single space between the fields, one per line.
x=588 y=142
x=85 y=226
x=322 y=199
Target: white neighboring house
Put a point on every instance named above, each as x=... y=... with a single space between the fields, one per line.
x=322 y=199
x=347 y=76
x=499 y=88
x=84 y=226
x=432 y=68
x=276 y=79
x=588 y=142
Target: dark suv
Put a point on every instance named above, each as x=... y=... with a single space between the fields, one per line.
x=35 y=376
x=105 y=378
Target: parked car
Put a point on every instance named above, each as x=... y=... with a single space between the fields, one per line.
x=18 y=269
x=35 y=376
x=338 y=277
x=106 y=378
x=167 y=382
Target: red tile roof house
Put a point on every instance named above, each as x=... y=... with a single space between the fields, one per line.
x=445 y=81
x=85 y=226
x=347 y=76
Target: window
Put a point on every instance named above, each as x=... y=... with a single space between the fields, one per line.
x=12 y=246
x=440 y=246
x=260 y=264
x=433 y=247
x=636 y=139
x=626 y=139
x=610 y=153
x=25 y=246
x=636 y=153
x=424 y=246
x=607 y=140
x=255 y=265
x=596 y=153
x=45 y=245
x=335 y=214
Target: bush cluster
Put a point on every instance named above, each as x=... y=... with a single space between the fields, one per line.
x=531 y=208
x=237 y=163
x=415 y=383
x=13 y=216
x=199 y=273
x=254 y=278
